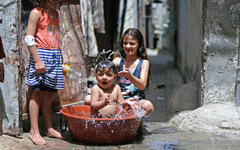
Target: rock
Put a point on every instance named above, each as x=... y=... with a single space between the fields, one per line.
x=183 y=98
x=210 y=118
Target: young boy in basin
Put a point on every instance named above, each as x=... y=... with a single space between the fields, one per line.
x=106 y=94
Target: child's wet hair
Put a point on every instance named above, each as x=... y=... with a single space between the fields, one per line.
x=106 y=64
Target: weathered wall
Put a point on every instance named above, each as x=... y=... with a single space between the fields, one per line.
x=189 y=38
x=207 y=48
x=219 y=47
x=72 y=46
x=9 y=96
x=189 y=43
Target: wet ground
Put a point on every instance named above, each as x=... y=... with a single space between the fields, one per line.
x=157 y=134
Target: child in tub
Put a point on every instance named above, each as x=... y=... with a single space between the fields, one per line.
x=106 y=94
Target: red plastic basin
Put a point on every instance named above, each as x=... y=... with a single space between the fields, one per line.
x=99 y=130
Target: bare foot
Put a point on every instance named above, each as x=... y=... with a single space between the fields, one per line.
x=37 y=139
x=54 y=134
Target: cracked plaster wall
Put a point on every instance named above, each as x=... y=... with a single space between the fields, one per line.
x=9 y=96
x=207 y=48
x=219 y=52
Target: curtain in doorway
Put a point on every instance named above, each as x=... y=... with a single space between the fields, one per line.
x=89 y=39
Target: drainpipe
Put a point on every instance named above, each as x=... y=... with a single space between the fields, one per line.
x=238 y=69
x=235 y=20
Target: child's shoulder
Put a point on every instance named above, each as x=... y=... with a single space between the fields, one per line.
x=96 y=86
x=117 y=86
x=35 y=12
x=145 y=61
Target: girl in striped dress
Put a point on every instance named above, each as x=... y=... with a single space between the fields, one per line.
x=45 y=67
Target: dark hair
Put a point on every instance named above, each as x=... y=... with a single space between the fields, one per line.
x=106 y=64
x=39 y=3
x=142 y=52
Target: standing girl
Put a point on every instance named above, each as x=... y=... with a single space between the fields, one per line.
x=45 y=66
x=134 y=68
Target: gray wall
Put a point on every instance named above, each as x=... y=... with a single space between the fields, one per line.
x=9 y=89
x=189 y=40
x=220 y=55
x=207 y=48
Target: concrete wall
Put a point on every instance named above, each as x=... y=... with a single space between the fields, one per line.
x=189 y=42
x=220 y=55
x=10 y=88
x=207 y=48
x=189 y=38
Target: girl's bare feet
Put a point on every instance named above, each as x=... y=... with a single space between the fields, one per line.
x=36 y=139
x=54 y=134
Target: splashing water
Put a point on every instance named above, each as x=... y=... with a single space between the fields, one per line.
x=74 y=75
x=121 y=113
x=138 y=112
x=74 y=80
x=86 y=124
x=104 y=55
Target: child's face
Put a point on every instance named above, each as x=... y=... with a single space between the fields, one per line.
x=105 y=77
x=130 y=45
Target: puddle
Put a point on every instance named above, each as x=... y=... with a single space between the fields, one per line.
x=164 y=145
x=164 y=130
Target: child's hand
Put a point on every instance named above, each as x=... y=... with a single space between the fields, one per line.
x=126 y=73
x=126 y=92
x=135 y=98
x=133 y=104
x=40 y=67
x=107 y=99
x=63 y=61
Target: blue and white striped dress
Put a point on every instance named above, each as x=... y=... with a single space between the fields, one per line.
x=53 y=77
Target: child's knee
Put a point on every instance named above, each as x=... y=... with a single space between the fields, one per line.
x=147 y=106
x=108 y=111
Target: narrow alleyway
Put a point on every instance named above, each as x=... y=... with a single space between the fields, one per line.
x=165 y=78
x=206 y=35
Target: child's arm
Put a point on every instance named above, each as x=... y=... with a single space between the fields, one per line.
x=95 y=103
x=116 y=61
x=120 y=99
x=31 y=30
x=138 y=82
